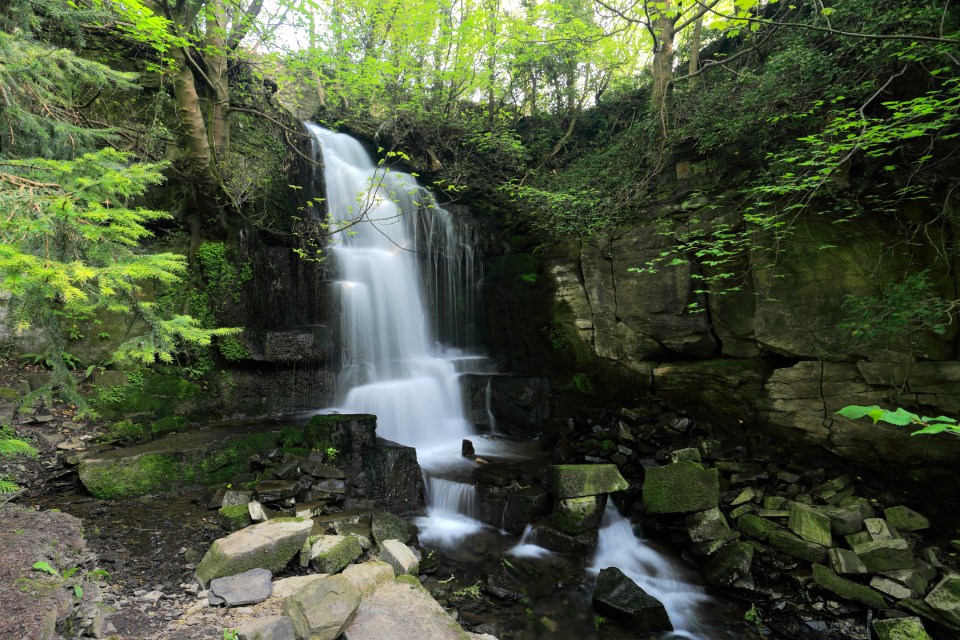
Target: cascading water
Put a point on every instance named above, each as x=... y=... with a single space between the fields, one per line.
x=618 y=546
x=397 y=247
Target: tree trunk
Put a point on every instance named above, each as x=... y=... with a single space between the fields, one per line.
x=190 y=113
x=662 y=69
x=216 y=63
x=695 y=47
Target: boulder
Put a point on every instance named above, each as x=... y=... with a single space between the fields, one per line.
x=681 y=487
x=269 y=628
x=234 y=517
x=708 y=525
x=323 y=609
x=268 y=545
x=885 y=555
x=330 y=554
x=730 y=567
x=844 y=519
x=401 y=608
x=249 y=587
x=386 y=526
x=275 y=490
x=579 y=480
x=400 y=557
x=286 y=587
x=904 y=518
x=367 y=576
x=944 y=598
x=619 y=597
x=811 y=525
x=576 y=515
x=879 y=529
x=847 y=589
x=900 y=629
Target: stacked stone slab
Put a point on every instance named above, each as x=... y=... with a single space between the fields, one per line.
x=580 y=492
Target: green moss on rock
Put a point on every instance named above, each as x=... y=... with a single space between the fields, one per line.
x=579 y=480
x=234 y=517
x=269 y=545
x=848 y=589
x=681 y=487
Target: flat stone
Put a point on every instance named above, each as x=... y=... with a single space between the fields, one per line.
x=845 y=561
x=576 y=515
x=235 y=497
x=857 y=538
x=900 y=629
x=914 y=579
x=810 y=524
x=275 y=490
x=774 y=503
x=730 y=567
x=773 y=513
x=619 y=597
x=403 y=609
x=269 y=545
x=309 y=509
x=269 y=628
x=330 y=554
x=367 y=576
x=879 y=529
x=747 y=495
x=893 y=589
x=904 y=518
x=944 y=598
x=742 y=510
x=579 y=480
x=756 y=527
x=400 y=557
x=847 y=589
x=323 y=609
x=332 y=485
x=249 y=587
x=885 y=555
x=797 y=547
x=286 y=587
x=681 y=487
x=708 y=525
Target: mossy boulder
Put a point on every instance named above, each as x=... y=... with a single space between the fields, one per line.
x=386 y=526
x=797 y=547
x=178 y=462
x=578 y=480
x=900 y=629
x=730 y=567
x=268 y=545
x=847 y=589
x=904 y=518
x=618 y=596
x=681 y=487
x=576 y=515
x=323 y=609
x=234 y=517
x=756 y=527
x=330 y=554
x=170 y=424
x=945 y=598
x=810 y=524
x=885 y=555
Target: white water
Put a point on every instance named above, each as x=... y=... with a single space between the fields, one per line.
x=619 y=547
x=528 y=548
x=400 y=251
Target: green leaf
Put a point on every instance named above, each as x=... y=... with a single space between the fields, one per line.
x=855 y=412
x=901 y=417
x=46 y=568
x=927 y=420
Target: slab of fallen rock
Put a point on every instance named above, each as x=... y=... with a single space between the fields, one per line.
x=324 y=608
x=249 y=587
x=399 y=610
x=268 y=545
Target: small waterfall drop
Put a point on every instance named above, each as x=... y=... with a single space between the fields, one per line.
x=618 y=546
x=407 y=286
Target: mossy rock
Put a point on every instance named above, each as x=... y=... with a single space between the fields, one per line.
x=191 y=460
x=234 y=517
x=576 y=515
x=579 y=480
x=268 y=545
x=847 y=589
x=681 y=487
x=170 y=424
x=330 y=554
x=900 y=629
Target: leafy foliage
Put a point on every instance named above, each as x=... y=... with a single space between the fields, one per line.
x=901 y=418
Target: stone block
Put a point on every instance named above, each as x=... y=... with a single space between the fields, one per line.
x=576 y=515
x=944 y=598
x=904 y=518
x=730 y=567
x=619 y=597
x=797 y=547
x=367 y=576
x=400 y=557
x=756 y=527
x=386 y=526
x=330 y=554
x=681 y=487
x=249 y=587
x=579 y=480
x=879 y=529
x=845 y=561
x=900 y=629
x=323 y=609
x=269 y=628
x=847 y=589
x=885 y=555
x=708 y=525
x=810 y=524
x=269 y=545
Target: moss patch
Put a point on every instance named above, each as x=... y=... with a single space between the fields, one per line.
x=681 y=487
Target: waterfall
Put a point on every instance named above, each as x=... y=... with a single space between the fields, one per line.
x=397 y=251
x=406 y=290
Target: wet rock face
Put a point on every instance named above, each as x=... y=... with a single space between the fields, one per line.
x=619 y=597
